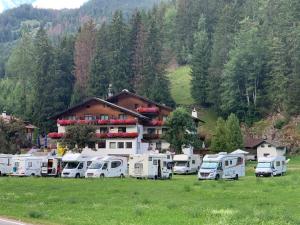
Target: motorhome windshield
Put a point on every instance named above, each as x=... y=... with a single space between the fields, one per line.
x=209 y=165
x=95 y=166
x=180 y=163
x=264 y=165
x=71 y=165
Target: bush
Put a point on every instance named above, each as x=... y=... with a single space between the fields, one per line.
x=279 y=124
x=35 y=214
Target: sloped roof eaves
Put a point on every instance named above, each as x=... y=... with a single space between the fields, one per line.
x=102 y=101
x=252 y=143
x=140 y=97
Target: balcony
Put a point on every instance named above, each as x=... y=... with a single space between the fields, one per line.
x=99 y=122
x=55 y=135
x=148 y=110
x=155 y=123
x=117 y=135
x=151 y=136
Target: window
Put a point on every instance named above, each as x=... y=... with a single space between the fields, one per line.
x=120 y=144
x=262 y=146
x=193 y=161
x=121 y=129
x=115 y=164
x=239 y=161
x=269 y=146
x=102 y=144
x=112 y=145
x=168 y=156
x=104 y=166
x=72 y=117
x=128 y=144
x=122 y=116
x=89 y=117
x=230 y=162
x=104 y=117
x=103 y=130
x=29 y=164
x=277 y=163
x=266 y=154
x=165 y=118
x=91 y=145
x=155 y=162
x=151 y=130
x=283 y=163
x=226 y=163
x=158 y=145
x=89 y=163
x=150 y=158
x=80 y=166
x=164 y=130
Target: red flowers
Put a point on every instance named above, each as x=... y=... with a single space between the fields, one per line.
x=55 y=135
x=99 y=122
x=118 y=135
x=148 y=110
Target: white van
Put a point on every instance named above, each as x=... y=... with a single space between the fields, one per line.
x=27 y=165
x=52 y=166
x=108 y=166
x=5 y=164
x=153 y=166
x=271 y=166
x=222 y=166
x=186 y=164
x=75 y=165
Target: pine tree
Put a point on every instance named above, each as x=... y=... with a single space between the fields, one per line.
x=234 y=137
x=119 y=60
x=200 y=64
x=98 y=81
x=219 y=142
x=84 y=53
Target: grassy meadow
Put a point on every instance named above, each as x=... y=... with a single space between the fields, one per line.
x=183 y=200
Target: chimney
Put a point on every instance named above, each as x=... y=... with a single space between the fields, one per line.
x=110 y=93
x=195 y=113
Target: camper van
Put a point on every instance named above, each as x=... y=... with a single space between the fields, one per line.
x=27 y=165
x=271 y=166
x=5 y=164
x=222 y=166
x=52 y=166
x=75 y=165
x=153 y=166
x=186 y=164
x=108 y=166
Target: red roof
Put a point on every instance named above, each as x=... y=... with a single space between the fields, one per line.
x=250 y=142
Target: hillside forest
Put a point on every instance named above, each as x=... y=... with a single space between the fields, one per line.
x=244 y=57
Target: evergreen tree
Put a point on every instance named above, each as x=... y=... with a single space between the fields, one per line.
x=99 y=72
x=234 y=137
x=119 y=59
x=219 y=142
x=200 y=64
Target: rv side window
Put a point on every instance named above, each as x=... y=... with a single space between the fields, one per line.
x=239 y=161
x=168 y=156
x=154 y=162
x=104 y=166
x=283 y=163
x=193 y=162
x=89 y=163
x=262 y=146
x=29 y=164
x=165 y=164
x=277 y=163
x=230 y=162
x=269 y=146
x=150 y=158
x=115 y=164
x=226 y=163
x=169 y=165
x=80 y=166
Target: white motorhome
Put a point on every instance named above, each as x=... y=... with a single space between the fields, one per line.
x=5 y=164
x=52 y=166
x=186 y=164
x=222 y=166
x=75 y=165
x=271 y=166
x=108 y=166
x=27 y=165
x=153 y=166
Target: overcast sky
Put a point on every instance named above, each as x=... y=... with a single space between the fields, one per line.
x=59 y=4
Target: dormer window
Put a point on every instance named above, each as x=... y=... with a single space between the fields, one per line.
x=89 y=117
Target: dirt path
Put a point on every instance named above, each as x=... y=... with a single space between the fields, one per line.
x=4 y=221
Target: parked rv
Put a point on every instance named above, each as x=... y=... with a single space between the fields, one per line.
x=108 y=166
x=75 y=165
x=52 y=166
x=271 y=166
x=153 y=166
x=27 y=165
x=222 y=166
x=186 y=164
x=5 y=164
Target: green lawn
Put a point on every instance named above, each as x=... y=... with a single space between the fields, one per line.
x=183 y=200
x=181 y=85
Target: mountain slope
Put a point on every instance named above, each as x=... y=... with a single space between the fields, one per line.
x=8 y=4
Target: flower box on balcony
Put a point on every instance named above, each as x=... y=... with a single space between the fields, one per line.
x=151 y=136
x=66 y=122
x=148 y=110
x=118 y=135
x=55 y=135
x=117 y=122
x=156 y=123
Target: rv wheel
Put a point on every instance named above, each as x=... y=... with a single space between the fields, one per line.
x=217 y=177
x=101 y=175
x=77 y=175
x=236 y=177
x=122 y=176
x=170 y=176
x=32 y=175
x=155 y=177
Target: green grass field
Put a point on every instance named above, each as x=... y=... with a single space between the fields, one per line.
x=181 y=85
x=183 y=200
